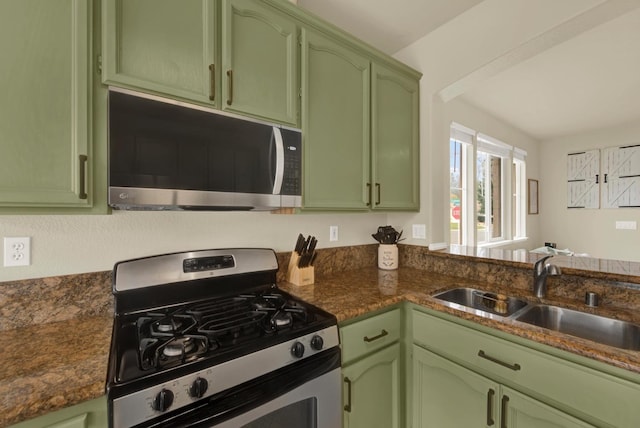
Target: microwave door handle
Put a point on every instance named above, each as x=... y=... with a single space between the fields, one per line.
x=279 y=176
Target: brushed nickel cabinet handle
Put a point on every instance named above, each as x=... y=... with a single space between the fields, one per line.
x=230 y=80
x=347 y=407
x=503 y=411
x=83 y=172
x=212 y=82
x=369 y=194
x=382 y=334
x=514 y=367
x=378 y=193
x=490 y=394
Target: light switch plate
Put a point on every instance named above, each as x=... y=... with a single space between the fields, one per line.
x=627 y=225
x=419 y=231
x=333 y=233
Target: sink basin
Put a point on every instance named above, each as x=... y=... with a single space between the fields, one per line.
x=620 y=334
x=481 y=302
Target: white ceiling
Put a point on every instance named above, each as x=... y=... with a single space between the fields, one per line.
x=588 y=82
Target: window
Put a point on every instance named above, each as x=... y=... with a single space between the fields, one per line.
x=460 y=145
x=519 y=201
x=495 y=210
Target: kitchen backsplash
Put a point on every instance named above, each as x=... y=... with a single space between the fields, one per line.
x=53 y=299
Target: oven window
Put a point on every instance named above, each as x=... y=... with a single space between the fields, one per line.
x=300 y=414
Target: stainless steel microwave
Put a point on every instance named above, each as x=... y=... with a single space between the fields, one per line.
x=167 y=155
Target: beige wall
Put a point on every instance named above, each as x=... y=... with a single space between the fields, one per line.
x=590 y=231
x=75 y=244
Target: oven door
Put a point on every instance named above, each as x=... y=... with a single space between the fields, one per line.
x=306 y=395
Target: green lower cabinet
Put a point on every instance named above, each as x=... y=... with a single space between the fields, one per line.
x=90 y=414
x=521 y=411
x=540 y=386
x=447 y=395
x=371 y=390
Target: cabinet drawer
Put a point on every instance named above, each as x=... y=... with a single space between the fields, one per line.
x=582 y=391
x=368 y=335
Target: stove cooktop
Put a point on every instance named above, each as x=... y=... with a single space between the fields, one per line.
x=214 y=329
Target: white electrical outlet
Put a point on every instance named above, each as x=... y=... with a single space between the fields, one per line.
x=17 y=251
x=419 y=231
x=333 y=233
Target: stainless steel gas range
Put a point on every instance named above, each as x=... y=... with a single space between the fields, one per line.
x=206 y=339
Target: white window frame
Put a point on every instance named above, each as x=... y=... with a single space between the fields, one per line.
x=513 y=197
x=520 y=194
x=466 y=136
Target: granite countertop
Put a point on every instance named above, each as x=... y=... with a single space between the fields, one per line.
x=45 y=367
x=353 y=293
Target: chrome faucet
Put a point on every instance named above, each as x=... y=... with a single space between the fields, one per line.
x=540 y=272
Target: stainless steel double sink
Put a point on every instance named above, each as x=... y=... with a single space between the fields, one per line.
x=607 y=331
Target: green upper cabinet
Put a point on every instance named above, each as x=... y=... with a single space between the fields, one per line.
x=45 y=106
x=164 y=46
x=259 y=61
x=361 y=129
x=335 y=123
x=235 y=55
x=395 y=140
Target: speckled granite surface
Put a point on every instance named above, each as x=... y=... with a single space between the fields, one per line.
x=48 y=362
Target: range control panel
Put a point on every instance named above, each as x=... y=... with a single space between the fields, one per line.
x=208 y=263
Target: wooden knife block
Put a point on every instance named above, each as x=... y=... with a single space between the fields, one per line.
x=297 y=275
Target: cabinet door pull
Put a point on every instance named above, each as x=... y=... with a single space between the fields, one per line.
x=212 y=82
x=347 y=407
x=503 y=411
x=605 y=178
x=490 y=395
x=514 y=367
x=230 y=81
x=597 y=178
x=83 y=179
x=382 y=334
x=378 y=193
x=369 y=194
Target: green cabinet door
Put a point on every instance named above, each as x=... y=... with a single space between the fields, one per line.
x=371 y=390
x=259 y=61
x=395 y=140
x=335 y=123
x=446 y=395
x=521 y=411
x=165 y=46
x=45 y=85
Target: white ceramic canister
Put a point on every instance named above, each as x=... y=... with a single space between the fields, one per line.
x=388 y=256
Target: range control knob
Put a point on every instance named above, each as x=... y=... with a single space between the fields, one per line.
x=162 y=401
x=198 y=387
x=317 y=343
x=297 y=350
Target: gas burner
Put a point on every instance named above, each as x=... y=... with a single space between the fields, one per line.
x=178 y=347
x=171 y=325
x=281 y=320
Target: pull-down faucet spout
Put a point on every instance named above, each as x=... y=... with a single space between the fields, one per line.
x=541 y=270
